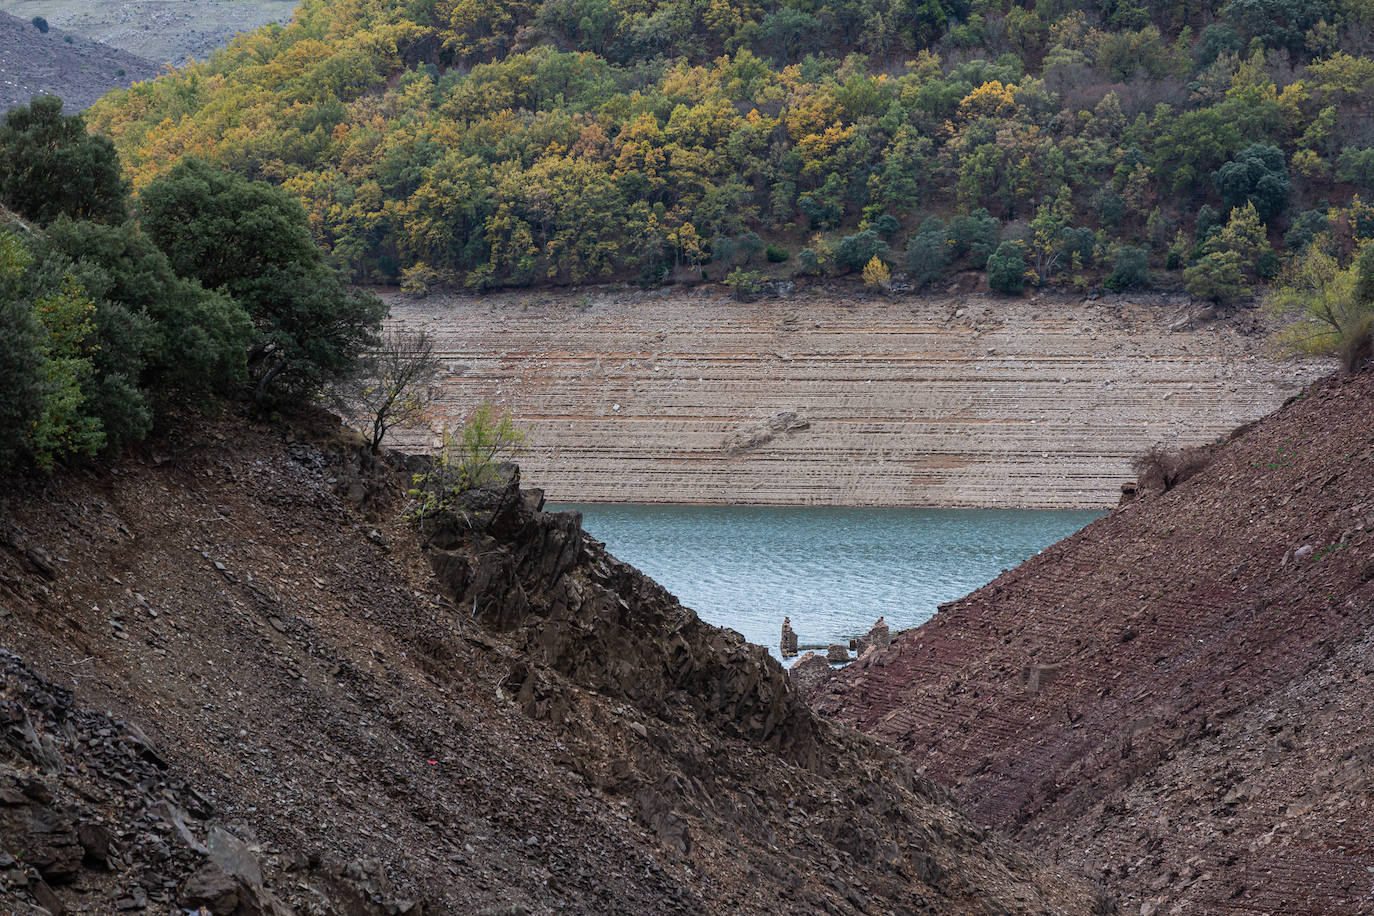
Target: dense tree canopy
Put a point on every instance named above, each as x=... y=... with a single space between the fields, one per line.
x=251 y=241
x=101 y=333
x=21 y=360
x=535 y=141
x=52 y=166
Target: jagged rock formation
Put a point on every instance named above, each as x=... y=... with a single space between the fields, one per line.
x=720 y=714
x=830 y=397
x=1178 y=698
x=506 y=721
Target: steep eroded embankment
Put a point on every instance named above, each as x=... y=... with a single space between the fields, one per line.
x=537 y=726
x=839 y=397
x=1179 y=697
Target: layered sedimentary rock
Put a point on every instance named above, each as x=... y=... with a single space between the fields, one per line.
x=835 y=398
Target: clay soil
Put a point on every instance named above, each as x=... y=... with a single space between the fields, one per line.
x=831 y=396
x=1180 y=698
x=245 y=599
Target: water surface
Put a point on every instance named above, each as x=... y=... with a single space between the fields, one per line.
x=833 y=571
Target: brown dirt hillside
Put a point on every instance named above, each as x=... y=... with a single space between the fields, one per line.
x=1179 y=698
x=79 y=71
x=246 y=680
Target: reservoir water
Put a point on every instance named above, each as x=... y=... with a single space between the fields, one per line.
x=833 y=571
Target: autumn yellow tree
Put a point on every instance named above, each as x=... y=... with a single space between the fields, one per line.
x=877 y=275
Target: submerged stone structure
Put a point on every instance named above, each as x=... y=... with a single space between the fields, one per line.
x=787 y=645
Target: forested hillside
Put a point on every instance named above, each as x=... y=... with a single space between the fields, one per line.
x=519 y=142
x=111 y=328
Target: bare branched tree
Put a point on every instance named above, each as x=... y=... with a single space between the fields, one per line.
x=394 y=385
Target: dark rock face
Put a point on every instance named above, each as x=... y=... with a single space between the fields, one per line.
x=607 y=627
x=45 y=836
x=711 y=727
x=810 y=673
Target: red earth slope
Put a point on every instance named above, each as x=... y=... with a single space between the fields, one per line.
x=1179 y=697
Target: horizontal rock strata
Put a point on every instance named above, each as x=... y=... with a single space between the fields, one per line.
x=820 y=399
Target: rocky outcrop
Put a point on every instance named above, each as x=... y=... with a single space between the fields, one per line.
x=1178 y=698
x=88 y=806
x=810 y=673
x=787 y=644
x=607 y=628
x=878 y=636
x=585 y=624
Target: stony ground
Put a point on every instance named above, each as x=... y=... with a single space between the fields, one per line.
x=831 y=396
x=232 y=658
x=79 y=71
x=161 y=31
x=1179 y=698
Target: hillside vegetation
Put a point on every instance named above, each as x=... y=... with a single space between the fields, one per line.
x=515 y=143
x=109 y=327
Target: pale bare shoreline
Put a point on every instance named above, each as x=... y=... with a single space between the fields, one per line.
x=832 y=397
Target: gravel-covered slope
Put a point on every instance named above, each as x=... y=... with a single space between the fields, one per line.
x=1180 y=698
x=538 y=727
x=60 y=63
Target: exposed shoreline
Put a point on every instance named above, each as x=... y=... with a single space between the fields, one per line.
x=832 y=397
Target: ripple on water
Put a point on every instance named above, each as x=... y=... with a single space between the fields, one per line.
x=833 y=571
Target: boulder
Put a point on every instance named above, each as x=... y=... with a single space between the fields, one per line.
x=213 y=889
x=44 y=834
x=810 y=673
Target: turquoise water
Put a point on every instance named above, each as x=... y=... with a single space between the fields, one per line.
x=833 y=571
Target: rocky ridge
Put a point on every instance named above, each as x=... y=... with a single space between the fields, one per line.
x=1178 y=698
x=161 y=31
x=506 y=720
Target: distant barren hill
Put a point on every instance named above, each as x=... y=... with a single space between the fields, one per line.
x=828 y=397
x=59 y=63
x=158 y=30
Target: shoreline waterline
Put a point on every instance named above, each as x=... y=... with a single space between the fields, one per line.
x=832 y=570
